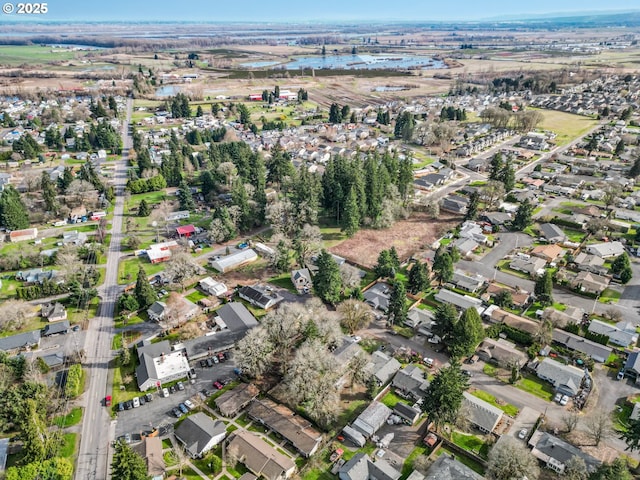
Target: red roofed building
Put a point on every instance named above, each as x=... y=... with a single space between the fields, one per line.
x=186 y=231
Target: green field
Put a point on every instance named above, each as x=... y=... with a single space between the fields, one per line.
x=70 y=419
x=507 y=408
x=471 y=443
x=566 y=125
x=19 y=54
x=533 y=385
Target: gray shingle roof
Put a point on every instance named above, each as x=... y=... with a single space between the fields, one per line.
x=447 y=468
x=482 y=414
x=360 y=467
x=54 y=328
x=197 y=430
x=236 y=316
x=20 y=340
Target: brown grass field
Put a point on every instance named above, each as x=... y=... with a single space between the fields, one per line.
x=409 y=236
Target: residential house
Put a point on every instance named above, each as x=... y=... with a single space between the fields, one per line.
x=520 y=297
x=382 y=367
x=231 y=402
x=212 y=287
x=301 y=279
x=418 y=317
x=157 y=311
x=74 y=238
x=555 y=453
x=549 y=253
x=158 y=364
x=23 y=235
x=53 y=311
x=377 y=296
x=482 y=414
x=259 y=457
x=631 y=366
x=472 y=231
x=462 y=302
x=161 y=252
x=596 y=351
x=36 y=275
x=465 y=246
x=590 y=263
x=450 y=204
x=57 y=328
x=588 y=282
x=553 y=233
x=199 y=433
x=373 y=417
x=293 y=428
x=566 y=379
x=235 y=260
x=410 y=382
x=622 y=333
x=502 y=352
x=185 y=231
x=150 y=449
x=409 y=415
x=606 y=250
x=361 y=467
x=497 y=219
x=531 y=266
x=260 y=296
x=495 y=314
x=354 y=436
x=20 y=341
x=466 y=282
x=446 y=467
x=560 y=319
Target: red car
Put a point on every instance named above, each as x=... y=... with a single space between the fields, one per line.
x=107 y=401
x=218 y=385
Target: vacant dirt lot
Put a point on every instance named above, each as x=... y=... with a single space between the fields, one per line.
x=408 y=236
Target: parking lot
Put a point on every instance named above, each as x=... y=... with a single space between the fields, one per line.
x=158 y=412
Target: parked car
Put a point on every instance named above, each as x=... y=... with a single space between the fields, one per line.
x=176 y=412
x=564 y=400
x=165 y=392
x=121 y=406
x=128 y=405
x=172 y=389
x=215 y=359
x=227 y=355
x=428 y=362
x=557 y=397
x=203 y=363
x=148 y=397
x=620 y=375
x=180 y=386
x=189 y=404
x=136 y=402
x=127 y=438
x=209 y=362
x=221 y=357
x=205 y=392
x=522 y=434
x=356 y=338
x=183 y=408
x=75 y=328
x=218 y=385
x=107 y=401
x=142 y=400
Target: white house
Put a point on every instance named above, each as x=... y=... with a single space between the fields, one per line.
x=212 y=287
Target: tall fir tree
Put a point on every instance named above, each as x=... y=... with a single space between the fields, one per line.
x=143 y=209
x=13 y=212
x=397 y=311
x=143 y=290
x=418 y=278
x=185 y=198
x=127 y=464
x=351 y=215
x=327 y=282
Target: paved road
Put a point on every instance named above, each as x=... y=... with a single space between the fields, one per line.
x=93 y=458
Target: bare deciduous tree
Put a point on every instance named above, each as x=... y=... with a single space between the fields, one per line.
x=69 y=262
x=307 y=243
x=81 y=191
x=571 y=420
x=354 y=315
x=509 y=459
x=229 y=171
x=254 y=353
x=350 y=276
x=13 y=314
x=576 y=469
x=181 y=268
x=599 y=426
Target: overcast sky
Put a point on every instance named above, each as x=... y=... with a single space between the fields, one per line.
x=314 y=10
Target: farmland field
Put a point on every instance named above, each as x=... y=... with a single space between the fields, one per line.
x=20 y=54
x=566 y=125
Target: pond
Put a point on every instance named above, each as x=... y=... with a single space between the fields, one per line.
x=167 y=91
x=356 y=62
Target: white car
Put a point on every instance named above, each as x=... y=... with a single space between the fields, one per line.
x=557 y=398
x=165 y=392
x=428 y=361
x=522 y=434
x=189 y=404
x=356 y=338
x=564 y=400
x=136 y=402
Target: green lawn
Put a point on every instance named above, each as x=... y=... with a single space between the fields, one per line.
x=283 y=281
x=68 y=448
x=535 y=386
x=390 y=399
x=609 y=296
x=196 y=296
x=509 y=409
x=471 y=443
x=566 y=125
x=332 y=236
x=70 y=419
x=407 y=466
x=621 y=417
x=128 y=269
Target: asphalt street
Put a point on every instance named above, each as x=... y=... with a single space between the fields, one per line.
x=93 y=456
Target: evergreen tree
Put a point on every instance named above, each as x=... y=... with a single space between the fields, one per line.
x=143 y=209
x=523 y=216
x=49 y=193
x=199 y=111
x=620 y=147
x=127 y=464
x=446 y=317
x=385 y=266
x=405 y=178
x=634 y=171
x=13 y=212
x=335 y=115
x=240 y=199
x=66 y=178
x=404 y=127
x=418 y=278
x=327 y=282
x=397 y=311
x=143 y=291
x=495 y=167
x=280 y=166
x=508 y=176
x=443 y=397
x=620 y=263
x=351 y=215
x=185 y=198
x=443 y=268
x=543 y=289
x=395 y=259
x=472 y=208
x=467 y=334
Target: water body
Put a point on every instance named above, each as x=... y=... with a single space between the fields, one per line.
x=167 y=91
x=75 y=46
x=259 y=64
x=360 y=62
